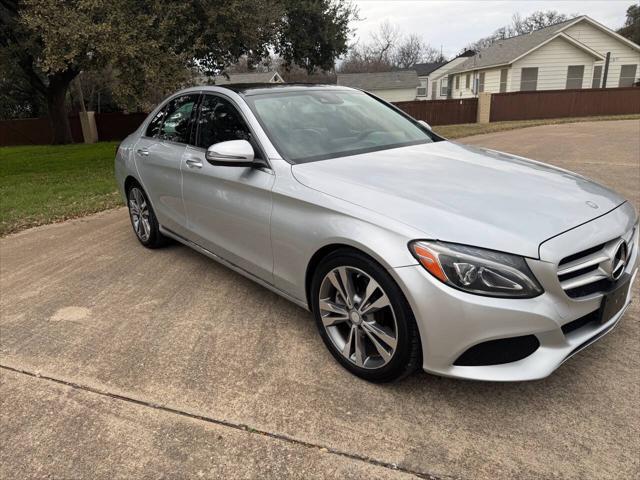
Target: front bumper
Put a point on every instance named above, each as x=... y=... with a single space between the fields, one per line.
x=451 y=321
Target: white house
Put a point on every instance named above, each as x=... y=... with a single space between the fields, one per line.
x=578 y=53
x=398 y=86
x=424 y=70
x=439 y=79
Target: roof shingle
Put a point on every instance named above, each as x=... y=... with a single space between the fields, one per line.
x=380 y=80
x=423 y=69
x=506 y=50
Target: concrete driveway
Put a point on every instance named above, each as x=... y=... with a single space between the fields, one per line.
x=121 y=362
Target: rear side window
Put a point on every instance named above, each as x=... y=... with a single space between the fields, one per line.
x=174 y=121
x=177 y=123
x=220 y=121
x=153 y=130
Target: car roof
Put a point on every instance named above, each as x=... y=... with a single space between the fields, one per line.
x=262 y=88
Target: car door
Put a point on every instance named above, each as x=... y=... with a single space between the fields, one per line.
x=158 y=156
x=228 y=207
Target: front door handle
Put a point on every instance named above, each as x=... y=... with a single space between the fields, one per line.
x=193 y=163
x=143 y=152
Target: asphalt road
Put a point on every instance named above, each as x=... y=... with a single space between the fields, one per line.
x=120 y=362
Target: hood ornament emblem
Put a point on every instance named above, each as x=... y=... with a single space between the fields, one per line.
x=615 y=267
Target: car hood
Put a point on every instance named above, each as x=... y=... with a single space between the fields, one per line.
x=464 y=194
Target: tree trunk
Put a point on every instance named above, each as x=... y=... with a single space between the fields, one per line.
x=56 y=105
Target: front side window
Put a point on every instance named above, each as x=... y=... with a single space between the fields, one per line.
x=575 y=74
x=317 y=125
x=627 y=75
x=529 y=79
x=178 y=119
x=220 y=121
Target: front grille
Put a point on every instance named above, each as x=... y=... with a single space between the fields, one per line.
x=585 y=273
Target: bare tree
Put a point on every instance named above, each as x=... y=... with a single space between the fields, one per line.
x=388 y=50
x=384 y=42
x=520 y=25
x=535 y=21
x=414 y=50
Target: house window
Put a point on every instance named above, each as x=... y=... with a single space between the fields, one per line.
x=443 y=87
x=627 y=75
x=467 y=81
x=457 y=82
x=597 y=75
x=503 y=79
x=529 y=79
x=434 y=89
x=575 y=74
x=481 y=82
x=422 y=89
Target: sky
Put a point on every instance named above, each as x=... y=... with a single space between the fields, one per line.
x=455 y=24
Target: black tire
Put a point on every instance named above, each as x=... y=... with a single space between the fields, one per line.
x=408 y=354
x=152 y=238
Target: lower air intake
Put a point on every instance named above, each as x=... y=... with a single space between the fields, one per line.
x=497 y=352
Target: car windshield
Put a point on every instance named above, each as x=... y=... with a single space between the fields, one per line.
x=317 y=125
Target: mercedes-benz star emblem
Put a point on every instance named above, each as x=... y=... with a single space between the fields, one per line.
x=619 y=261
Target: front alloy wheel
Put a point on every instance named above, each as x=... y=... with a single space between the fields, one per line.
x=358 y=317
x=363 y=317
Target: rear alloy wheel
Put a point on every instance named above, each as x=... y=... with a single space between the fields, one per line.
x=143 y=219
x=364 y=319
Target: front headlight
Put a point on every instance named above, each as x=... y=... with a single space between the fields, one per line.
x=476 y=270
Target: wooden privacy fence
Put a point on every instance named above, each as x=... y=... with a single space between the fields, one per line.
x=564 y=103
x=116 y=126
x=34 y=131
x=37 y=131
x=442 y=112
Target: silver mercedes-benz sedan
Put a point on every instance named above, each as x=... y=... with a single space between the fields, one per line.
x=410 y=250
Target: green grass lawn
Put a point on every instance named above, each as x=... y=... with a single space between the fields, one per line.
x=44 y=184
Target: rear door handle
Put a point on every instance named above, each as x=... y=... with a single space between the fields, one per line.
x=143 y=152
x=193 y=163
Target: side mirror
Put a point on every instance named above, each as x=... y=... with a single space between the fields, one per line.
x=232 y=153
x=424 y=124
